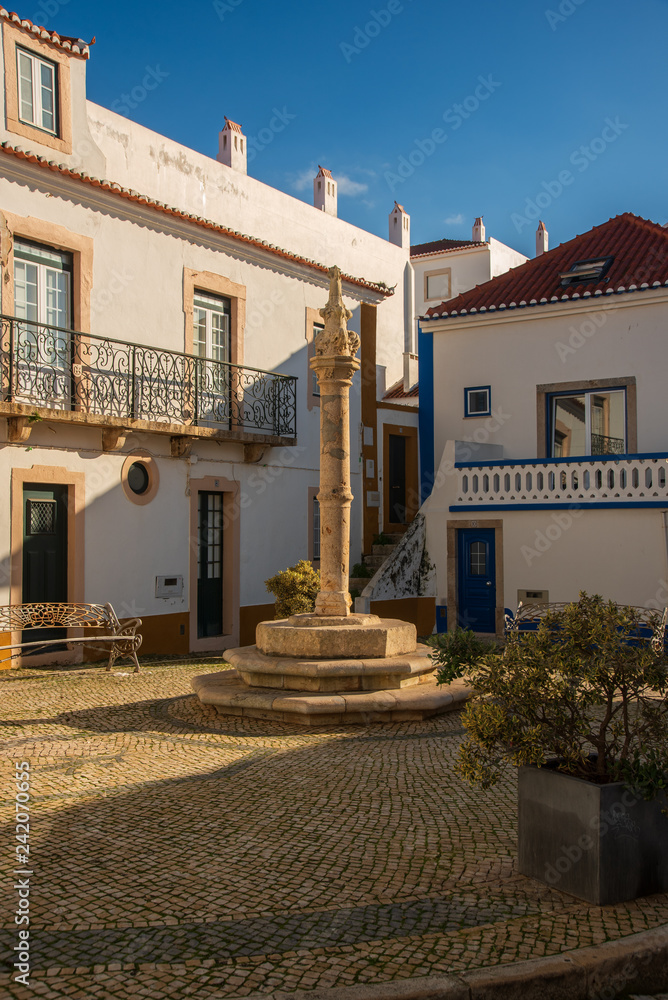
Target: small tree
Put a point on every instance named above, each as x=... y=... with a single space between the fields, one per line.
x=295 y=589
x=585 y=689
x=456 y=652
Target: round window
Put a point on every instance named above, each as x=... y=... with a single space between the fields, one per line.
x=138 y=478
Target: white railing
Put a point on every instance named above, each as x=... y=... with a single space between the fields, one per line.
x=615 y=480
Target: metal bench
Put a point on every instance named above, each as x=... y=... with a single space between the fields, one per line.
x=528 y=617
x=24 y=617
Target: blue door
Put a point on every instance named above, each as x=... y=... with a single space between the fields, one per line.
x=477 y=579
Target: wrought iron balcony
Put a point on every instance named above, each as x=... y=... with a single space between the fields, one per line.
x=49 y=366
x=617 y=481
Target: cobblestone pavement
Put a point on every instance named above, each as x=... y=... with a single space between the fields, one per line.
x=178 y=852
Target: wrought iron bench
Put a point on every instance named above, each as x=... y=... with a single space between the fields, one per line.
x=24 y=617
x=528 y=617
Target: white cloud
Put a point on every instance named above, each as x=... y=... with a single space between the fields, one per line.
x=454 y=220
x=350 y=187
x=303 y=179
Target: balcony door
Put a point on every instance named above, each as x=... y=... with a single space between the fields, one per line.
x=211 y=343
x=43 y=307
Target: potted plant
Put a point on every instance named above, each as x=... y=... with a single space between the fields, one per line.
x=580 y=707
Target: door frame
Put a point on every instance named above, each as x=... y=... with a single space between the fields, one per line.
x=231 y=563
x=75 y=482
x=410 y=435
x=452 y=529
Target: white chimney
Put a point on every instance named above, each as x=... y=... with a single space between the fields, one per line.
x=232 y=150
x=478 y=231
x=400 y=227
x=541 y=239
x=324 y=191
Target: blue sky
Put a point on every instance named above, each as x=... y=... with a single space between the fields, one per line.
x=454 y=109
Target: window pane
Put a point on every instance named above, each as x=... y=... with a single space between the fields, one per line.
x=478 y=559
x=478 y=401
x=25 y=290
x=26 y=103
x=219 y=337
x=569 y=427
x=199 y=333
x=608 y=423
x=47 y=89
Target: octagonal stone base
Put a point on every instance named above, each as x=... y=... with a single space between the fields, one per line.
x=329 y=637
x=231 y=696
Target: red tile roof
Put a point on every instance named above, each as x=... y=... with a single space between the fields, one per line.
x=114 y=188
x=324 y=172
x=232 y=126
x=639 y=249
x=397 y=391
x=75 y=45
x=439 y=246
x=400 y=207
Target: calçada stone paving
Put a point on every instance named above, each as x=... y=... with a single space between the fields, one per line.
x=178 y=851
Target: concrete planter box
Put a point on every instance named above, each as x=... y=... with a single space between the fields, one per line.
x=601 y=843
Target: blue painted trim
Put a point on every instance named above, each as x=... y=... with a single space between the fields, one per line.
x=478 y=388
x=561 y=461
x=426 y=412
x=561 y=506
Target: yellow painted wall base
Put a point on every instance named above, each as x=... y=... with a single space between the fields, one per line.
x=250 y=617
x=421 y=611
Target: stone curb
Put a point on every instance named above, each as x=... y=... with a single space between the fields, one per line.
x=637 y=963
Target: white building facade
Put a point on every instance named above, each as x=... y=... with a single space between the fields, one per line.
x=550 y=451
x=159 y=423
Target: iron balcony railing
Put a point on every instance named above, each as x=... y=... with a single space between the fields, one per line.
x=65 y=370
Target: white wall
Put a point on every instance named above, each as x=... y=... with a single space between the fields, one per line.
x=615 y=336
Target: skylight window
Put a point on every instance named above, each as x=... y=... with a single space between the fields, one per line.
x=586 y=271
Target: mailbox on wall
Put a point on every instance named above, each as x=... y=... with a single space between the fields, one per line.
x=169 y=586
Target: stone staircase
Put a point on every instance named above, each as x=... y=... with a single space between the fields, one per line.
x=378 y=555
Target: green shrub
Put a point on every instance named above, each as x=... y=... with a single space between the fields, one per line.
x=382 y=539
x=295 y=589
x=360 y=569
x=456 y=651
x=582 y=690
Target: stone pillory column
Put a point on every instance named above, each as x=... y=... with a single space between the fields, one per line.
x=335 y=364
x=331 y=666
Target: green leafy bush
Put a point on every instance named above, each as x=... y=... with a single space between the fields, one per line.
x=456 y=651
x=295 y=589
x=582 y=689
x=360 y=569
x=382 y=539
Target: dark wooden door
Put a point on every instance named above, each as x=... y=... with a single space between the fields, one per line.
x=44 y=552
x=397 y=478
x=210 y=564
